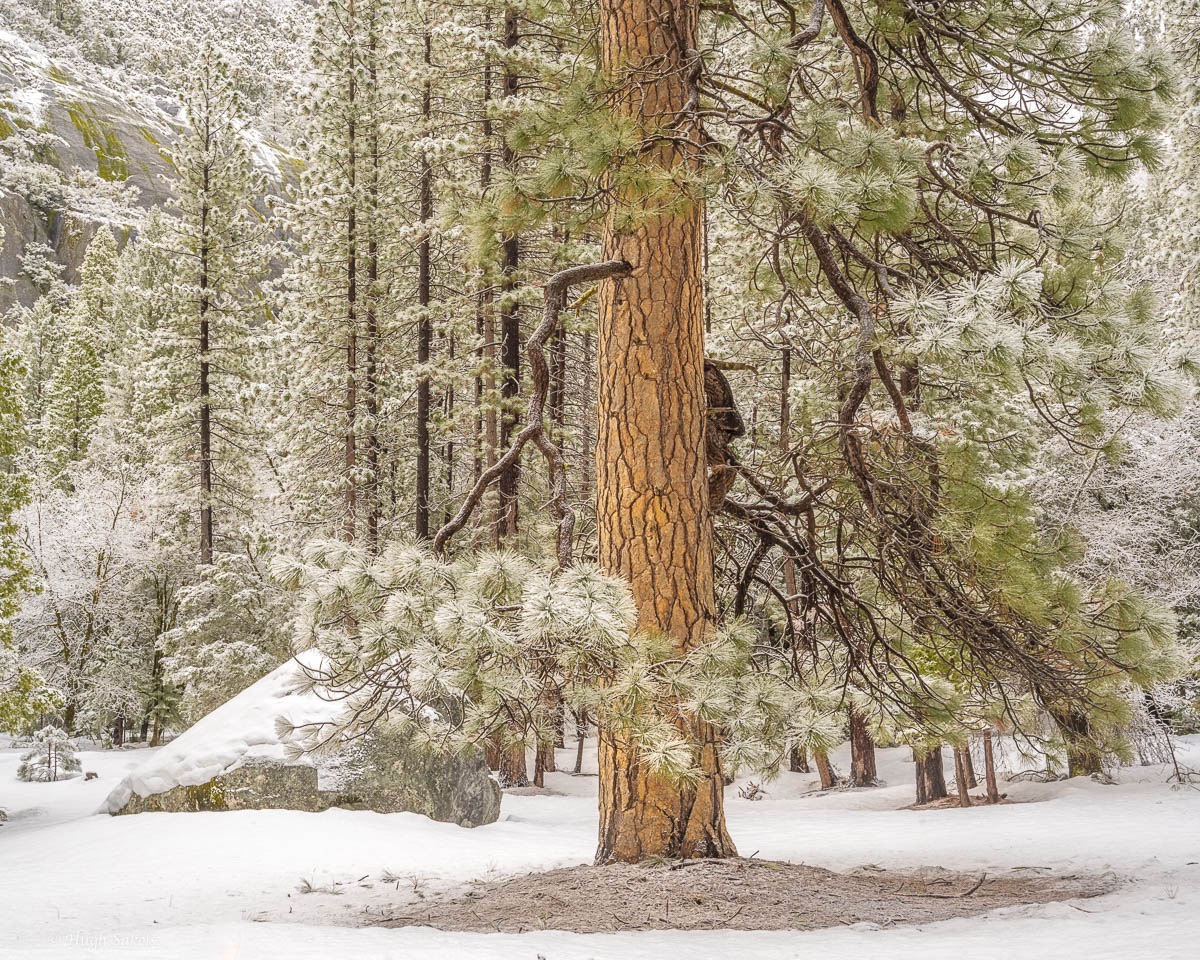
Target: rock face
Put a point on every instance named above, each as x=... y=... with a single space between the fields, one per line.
x=74 y=153
x=259 y=784
x=385 y=772
x=234 y=759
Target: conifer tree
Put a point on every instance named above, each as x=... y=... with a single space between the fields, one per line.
x=22 y=689
x=341 y=310
x=52 y=758
x=215 y=245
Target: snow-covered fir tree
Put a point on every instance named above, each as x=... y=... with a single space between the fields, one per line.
x=52 y=757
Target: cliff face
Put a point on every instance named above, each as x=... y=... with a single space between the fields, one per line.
x=80 y=146
x=74 y=153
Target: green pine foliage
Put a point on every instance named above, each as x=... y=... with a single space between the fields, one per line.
x=468 y=651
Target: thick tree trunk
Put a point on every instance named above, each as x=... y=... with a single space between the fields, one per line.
x=652 y=506
x=862 y=753
x=1083 y=756
x=513 y=771
x=491 y=753
x=989 y=766
x=798 y=760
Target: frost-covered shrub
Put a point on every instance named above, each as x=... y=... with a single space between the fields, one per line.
x=52 y=757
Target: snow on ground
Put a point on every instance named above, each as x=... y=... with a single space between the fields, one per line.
x=227 y=886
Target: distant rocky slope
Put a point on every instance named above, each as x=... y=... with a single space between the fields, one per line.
x=80 y=145
x=74 y=153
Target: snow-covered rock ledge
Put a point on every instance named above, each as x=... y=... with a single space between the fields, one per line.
x=234 y=759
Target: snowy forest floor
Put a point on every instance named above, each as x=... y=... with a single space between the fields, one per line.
x=299 y=886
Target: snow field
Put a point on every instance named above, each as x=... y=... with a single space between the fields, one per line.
x=227 y=886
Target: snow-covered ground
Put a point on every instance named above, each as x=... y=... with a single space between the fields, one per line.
x=229 y=886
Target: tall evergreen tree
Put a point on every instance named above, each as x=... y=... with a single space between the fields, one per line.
x=216 y=247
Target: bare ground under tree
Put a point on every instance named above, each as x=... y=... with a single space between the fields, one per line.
x=737 y=894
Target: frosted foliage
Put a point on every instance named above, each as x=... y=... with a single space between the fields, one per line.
x=487 y=645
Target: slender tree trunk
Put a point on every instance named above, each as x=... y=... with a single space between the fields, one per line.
x=969 y=766
x=989 y=766
x=862 y=751
x=960 y=778
x=919 y=778
x=652 y=483
x=425 y=321
x=448 y=400
x=485 y=315
x=510 y=319
x=785 y=426
x=350 y=440
x=825 y=769
x=581 y=722
x=205 y=398
x=373 y=506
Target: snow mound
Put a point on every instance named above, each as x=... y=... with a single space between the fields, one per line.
x=243 y=729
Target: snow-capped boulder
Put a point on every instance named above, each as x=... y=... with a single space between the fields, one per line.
x=235 y=759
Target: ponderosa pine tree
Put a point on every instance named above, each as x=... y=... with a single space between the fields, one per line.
x=870 y=212
x=341 y=312
x=216 y=244
x=652 y=480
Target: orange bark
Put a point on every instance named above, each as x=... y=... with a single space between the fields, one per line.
x=652 y=494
